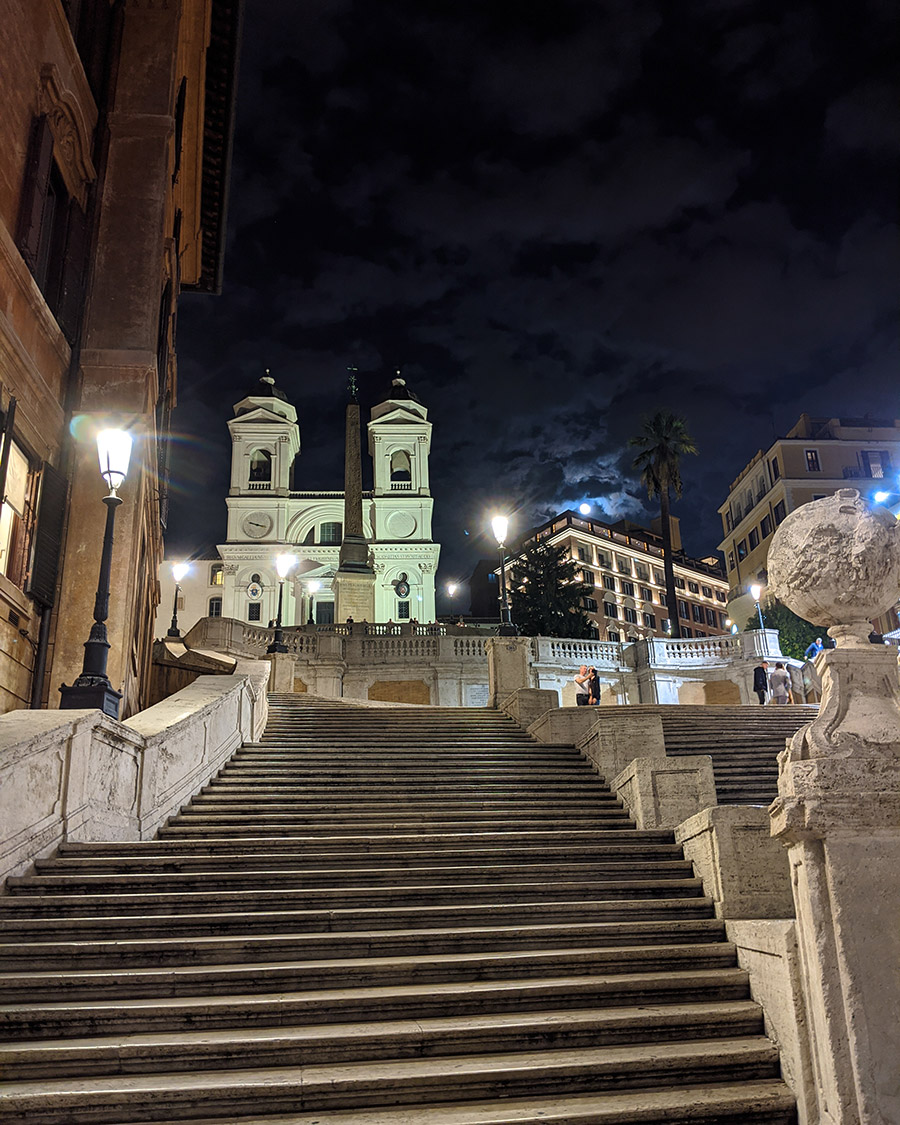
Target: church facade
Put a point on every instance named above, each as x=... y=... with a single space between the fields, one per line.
x=268 y=517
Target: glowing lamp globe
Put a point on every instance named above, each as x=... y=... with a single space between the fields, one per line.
x=114 y=452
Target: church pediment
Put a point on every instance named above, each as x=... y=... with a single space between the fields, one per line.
x=260 y=414
x=400 y=415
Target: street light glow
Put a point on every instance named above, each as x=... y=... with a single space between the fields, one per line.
x=500 y=526
x=284 y=564
x=114 y=451
x=880 y=497
x=755 y=591
x=452 y=588
x=179 y=570
x=314 y=587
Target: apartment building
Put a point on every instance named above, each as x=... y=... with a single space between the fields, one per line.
x=622 y=564
x=816 y=458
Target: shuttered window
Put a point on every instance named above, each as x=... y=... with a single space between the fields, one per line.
x=51 y=514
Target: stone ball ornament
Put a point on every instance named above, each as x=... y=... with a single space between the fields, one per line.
x=836 y=562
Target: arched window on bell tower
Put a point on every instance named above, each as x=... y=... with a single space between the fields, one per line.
x=401 y=469
x=260 y=467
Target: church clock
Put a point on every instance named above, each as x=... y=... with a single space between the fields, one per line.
x=256 y=525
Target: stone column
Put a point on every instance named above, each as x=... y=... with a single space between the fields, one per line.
x=354 y=583
x=836 y=562
x=509 y=667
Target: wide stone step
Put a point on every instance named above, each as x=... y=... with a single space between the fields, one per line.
x=249 y=898
x=293 y=806
x=190 y=980
x=352 y=823
x=766 y=1102
x=279 y=875
x=84 y=927
x=388 y=1082
x=181 y=950
x=385 y=1039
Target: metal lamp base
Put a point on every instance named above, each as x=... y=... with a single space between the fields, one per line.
x=89 y=692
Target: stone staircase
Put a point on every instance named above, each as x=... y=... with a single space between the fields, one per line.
x=380 y=916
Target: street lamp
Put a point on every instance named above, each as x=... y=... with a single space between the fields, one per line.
x=451 y=589
x=179 y=570
x=500 y=526
x=312 y=588
x=755 y=592
x=92 y=688
x=284 y=564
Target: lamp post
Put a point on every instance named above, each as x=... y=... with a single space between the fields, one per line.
x=755 y=592
x=500 y=526
x=284 y=564
x=92 y=688
x=312 y=589
x=179 y=570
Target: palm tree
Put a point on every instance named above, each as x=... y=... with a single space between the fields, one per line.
x=663 y=441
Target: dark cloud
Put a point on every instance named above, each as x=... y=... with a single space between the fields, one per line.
x=556 y=218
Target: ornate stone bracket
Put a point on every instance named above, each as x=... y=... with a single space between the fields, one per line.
x=71 y=133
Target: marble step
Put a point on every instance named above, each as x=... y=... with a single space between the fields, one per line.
x=310 y=877
x=85 y=927
x=168 y=950
x=384 y=1039
x=359 y=972
x=250 y=898
x=79 y=1101
x=298 y=823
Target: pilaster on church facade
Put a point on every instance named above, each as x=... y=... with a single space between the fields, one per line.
x=267 y=516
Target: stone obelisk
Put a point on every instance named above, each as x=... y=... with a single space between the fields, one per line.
x=354 y=583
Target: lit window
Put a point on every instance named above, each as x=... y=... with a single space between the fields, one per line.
x=217 y=575
x=877 y=463
x=12 y=516
x=812 y=461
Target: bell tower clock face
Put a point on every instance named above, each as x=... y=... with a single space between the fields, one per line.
x=256 y=525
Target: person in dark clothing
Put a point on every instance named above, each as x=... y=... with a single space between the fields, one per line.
x=761 y=680
x=593 y=686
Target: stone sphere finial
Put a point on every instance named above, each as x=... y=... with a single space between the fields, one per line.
x=836 y=562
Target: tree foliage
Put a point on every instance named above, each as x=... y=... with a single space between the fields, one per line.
x=663 y=441
x=794 y=634
x=546 y=595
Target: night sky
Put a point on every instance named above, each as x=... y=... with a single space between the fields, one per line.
x=554 y=216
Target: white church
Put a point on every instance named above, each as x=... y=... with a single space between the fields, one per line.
x=266 y=518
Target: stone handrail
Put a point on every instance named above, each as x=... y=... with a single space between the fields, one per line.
x=572 y=653
x=80 y=775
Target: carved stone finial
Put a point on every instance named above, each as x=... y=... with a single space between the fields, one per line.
x=836 y=562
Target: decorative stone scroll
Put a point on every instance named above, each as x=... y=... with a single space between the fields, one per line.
x=71 y=133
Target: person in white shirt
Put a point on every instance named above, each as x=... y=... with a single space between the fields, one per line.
x=582 y=689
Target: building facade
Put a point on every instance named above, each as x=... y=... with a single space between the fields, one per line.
x=268 y=517
x=816 y=458
x=115 y=134
x=622 y=564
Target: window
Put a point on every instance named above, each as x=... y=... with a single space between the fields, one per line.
x=650 y=621
x=403 y=611
x=584 y=554
x=731 y=560
x=685 y=632
x=776 y=471
x=722 y=620
x=253 y=611
x=612 y=635
x=877 y=463
x=697 y=613
x=628 y=588
x=721 y=596
x=729 y=522
x=779 y=512
x=699 y=634
x=694 y=587
x=623 y=566
x=261 y=466
x=711 y=617
x=659 y=578
x=765 y=527
x=217 y=575
x=331 y=532
x=631 y=616
x=742 y=549
x=683 y=612
x=587 y=577
x=610 y=610
x=13 y=516
x=646 y=594
x=642 y=573
x=214 y=608
x=609 y=582
x=590 y=604
x=595 y=632
x=666 y=625
x=706 y=591
x=812 y=460
x=401 y=466
x=679 y=583
x=753 y=538
x=602 y=558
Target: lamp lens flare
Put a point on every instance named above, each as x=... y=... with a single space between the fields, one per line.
x=179 y=570
x=500 y=526
x=451 y=588
x=314 y=587
x=284 y=564
x=880 y=497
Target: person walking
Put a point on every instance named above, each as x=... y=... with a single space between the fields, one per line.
x=582 y=688
x=780 y=685
x=761 y=681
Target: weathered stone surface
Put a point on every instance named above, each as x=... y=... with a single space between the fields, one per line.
x=528 y=704
x=744 y=870
x=662 y=792
x=564 y=726
x=509 y=666
x=616 y=738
